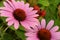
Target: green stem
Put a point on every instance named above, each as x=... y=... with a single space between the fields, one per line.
x=4 y=32
x=1 y=27
x=5 y=29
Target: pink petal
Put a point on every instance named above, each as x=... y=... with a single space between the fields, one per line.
x=22 y=2
x=1 y=8
x=50 y=24
x=27 y=5
x=8 y=19
x=8 y=5
x=0 y=14
x=28 y=10
x=35 y=28
x=11 y=4
x=30 y=34
x=35 y=15
x=6 y=9
x=32 y=12
x=33 y=20
x=39 y=26
x=32 y=38
x=56 y=35
x=6 y=14
x=55 y=28
x=20 y=5
x=15 y=4
x=33 y=25
x=25 y=25
x=16 y=24
x=10 y=23
x=43 y=23
x=53 y=39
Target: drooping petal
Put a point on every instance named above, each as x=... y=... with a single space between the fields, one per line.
x=16 y=24
x=10 y=23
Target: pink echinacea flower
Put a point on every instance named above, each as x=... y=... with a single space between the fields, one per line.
x=18 y=12
x=43 y=32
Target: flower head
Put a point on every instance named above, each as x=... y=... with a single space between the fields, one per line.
x=43 y=32
x=18 y=12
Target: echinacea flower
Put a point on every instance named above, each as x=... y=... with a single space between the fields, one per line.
x=43 y=32
x=18 y=12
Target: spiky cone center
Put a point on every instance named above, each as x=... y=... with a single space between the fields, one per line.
x=19 y=14
x=44 y=34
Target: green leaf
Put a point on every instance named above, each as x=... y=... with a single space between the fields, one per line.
x=21 y=27
x=44 y=2
x=12 y=27
x=1 y=3
x=20 y=34
x=57 y=22
x=1 y=21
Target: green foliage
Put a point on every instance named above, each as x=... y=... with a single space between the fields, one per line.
x=20 y=34
x=7 y=37
x=44 y=2
x=1 y=3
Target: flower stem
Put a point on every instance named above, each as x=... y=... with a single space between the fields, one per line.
x=4 y=32
x=5 y=29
